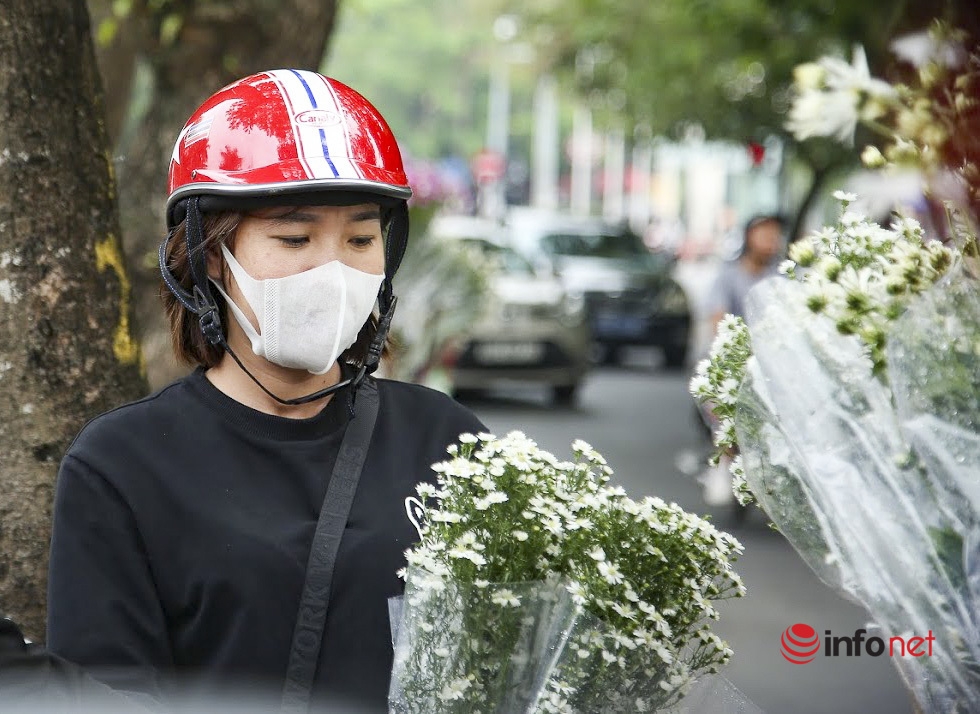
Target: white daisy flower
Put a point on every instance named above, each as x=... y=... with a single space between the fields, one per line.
x=505 y=597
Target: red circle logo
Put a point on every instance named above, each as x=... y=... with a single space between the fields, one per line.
x=799 y=643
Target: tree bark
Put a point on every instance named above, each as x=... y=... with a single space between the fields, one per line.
x=218 y=42
x=824 y=157
x=817 y=180
x=67 y=347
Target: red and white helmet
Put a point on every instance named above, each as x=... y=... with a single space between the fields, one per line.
x=282 y=132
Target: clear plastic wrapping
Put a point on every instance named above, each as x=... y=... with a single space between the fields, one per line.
x=463 y=648
x=877 y=483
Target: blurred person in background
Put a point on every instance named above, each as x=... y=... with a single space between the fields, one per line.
x=209 y=538
x=763 y=247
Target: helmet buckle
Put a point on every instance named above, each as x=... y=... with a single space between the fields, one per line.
x=209 y=317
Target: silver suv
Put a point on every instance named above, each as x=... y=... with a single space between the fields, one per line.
x=530 y=330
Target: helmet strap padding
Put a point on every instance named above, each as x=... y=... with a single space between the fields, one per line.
x=373 y=359
x=396 y=237
x=196 y=258
x=200 y=300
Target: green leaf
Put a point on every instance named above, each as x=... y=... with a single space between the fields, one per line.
x=949 y=549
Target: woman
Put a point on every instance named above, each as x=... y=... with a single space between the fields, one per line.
x=763 y=245
x=184 y=523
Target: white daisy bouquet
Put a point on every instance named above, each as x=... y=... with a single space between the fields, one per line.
x=852 y=397
x=539 y=587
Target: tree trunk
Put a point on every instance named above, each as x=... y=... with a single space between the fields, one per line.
x=217 y=43
x=67 y=350
x=825 y=158
x=817 y=181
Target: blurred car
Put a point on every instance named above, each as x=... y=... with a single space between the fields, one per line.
x=530 y=330
x=629 y=293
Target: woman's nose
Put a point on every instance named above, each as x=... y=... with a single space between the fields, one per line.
x=325 y=252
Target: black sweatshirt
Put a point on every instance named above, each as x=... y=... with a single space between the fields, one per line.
x=182 y=528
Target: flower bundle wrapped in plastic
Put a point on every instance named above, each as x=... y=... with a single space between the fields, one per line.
x=857 y=415
x=538 y=587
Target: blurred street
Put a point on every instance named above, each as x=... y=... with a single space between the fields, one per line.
x=641 y=418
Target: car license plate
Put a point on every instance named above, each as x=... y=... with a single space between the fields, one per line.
x=613 y=325
x=509 y=352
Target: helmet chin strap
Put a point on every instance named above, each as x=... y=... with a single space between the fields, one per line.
x=202 y=303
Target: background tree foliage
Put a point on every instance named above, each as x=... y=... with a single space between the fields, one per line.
x=425 y=67
x=725 y=65
x=722 y=65
x=67 y=345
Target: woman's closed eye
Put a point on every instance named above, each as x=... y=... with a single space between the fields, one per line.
x=365 y=241
x=293 y=241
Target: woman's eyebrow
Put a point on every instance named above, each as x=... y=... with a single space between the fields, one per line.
x=368 y=214
x=296 y=217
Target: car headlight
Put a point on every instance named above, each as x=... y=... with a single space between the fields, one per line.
x=673 y=300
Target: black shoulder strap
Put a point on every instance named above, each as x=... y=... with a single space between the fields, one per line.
x=308 y=635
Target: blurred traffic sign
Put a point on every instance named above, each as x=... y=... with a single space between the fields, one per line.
x=488 y=166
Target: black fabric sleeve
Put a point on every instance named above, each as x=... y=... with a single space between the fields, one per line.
x=104 y=612
x=33 y=680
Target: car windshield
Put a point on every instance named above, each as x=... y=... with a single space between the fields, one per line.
x=601 y=245
x=502 y=257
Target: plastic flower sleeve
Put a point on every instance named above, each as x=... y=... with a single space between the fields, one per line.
x=601 y=672
x=773 y=472
x=714 y=693
x=462 y=648
x=934 y=363
x=934 y=358
x=821 y=441
x=395 y=607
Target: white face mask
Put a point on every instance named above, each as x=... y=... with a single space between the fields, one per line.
x=305 y=320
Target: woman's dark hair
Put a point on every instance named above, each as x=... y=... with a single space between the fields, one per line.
x=761 y=219
x=189 y=344
x=754 y=222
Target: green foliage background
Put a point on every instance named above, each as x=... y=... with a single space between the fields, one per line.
x=425 y=65
x=723 y=65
